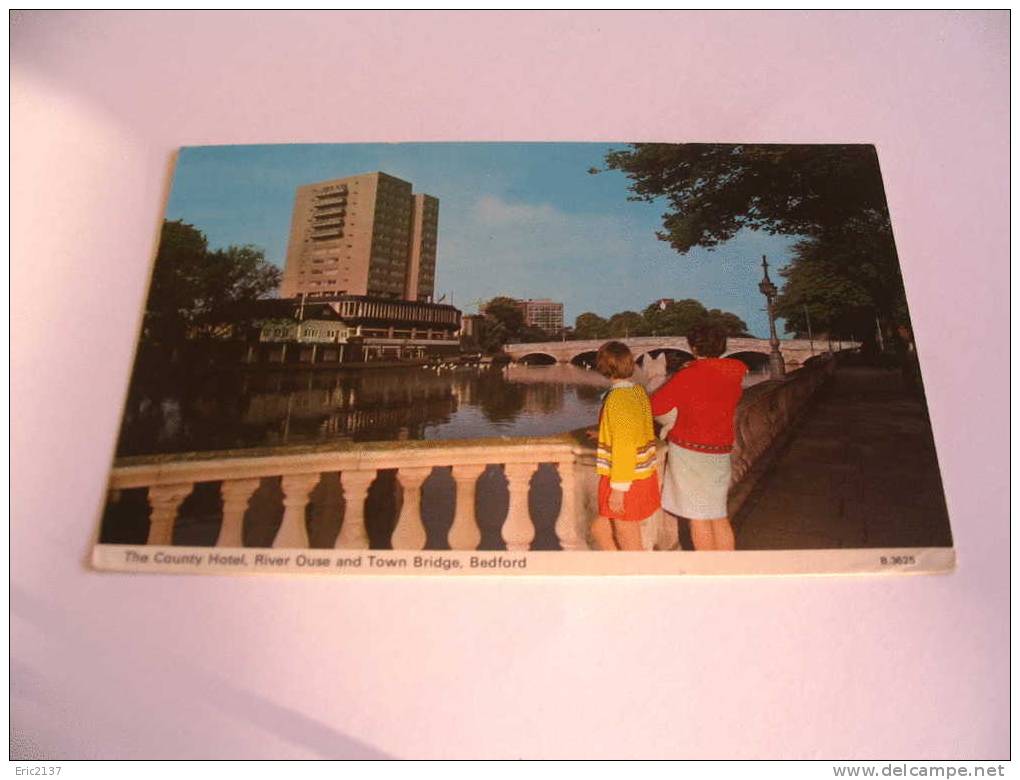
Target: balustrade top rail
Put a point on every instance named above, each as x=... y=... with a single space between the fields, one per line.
x=169 y=468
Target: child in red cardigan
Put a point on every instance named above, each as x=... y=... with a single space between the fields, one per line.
x=705 y=394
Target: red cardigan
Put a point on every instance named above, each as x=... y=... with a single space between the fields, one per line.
x=705 y=394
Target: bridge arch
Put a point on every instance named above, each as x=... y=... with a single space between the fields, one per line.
x=537 y=359
x=585 y=359
x=756 y=362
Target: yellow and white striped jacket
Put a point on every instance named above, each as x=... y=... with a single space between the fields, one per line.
x=626 y=451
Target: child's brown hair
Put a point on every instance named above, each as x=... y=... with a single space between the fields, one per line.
x=614 y=360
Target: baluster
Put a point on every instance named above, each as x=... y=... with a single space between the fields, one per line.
x=518 y=529
x=353 y=535
x=410 y=531
x=464 y=533
x=236 y=493
x=293 y=533
x=571 y=525
x=165 y=500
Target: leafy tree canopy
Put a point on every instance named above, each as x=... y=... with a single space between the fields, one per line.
x=715 y=190
x=626 y=323
x=505 y=311
x=503 y=322
x=196 y=292
x=590 y=326
x=831 y=196
x=491 y=335
x=729 y=322
x=674 y=318
x=822 y=292
x=679 y=317
x=532 y=334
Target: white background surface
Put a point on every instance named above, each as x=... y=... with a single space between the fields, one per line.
x=121 y=666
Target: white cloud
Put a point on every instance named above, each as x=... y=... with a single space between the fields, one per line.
x=494 y=211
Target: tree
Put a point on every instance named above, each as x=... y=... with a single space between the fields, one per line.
x=491 y=335
x=195 y=292
x=824 y=291
x=829 y=195
x=589 y=326
x=672 y=319
x=532 y=334
x=675 y=318
x=679 y=317
x=505 y=311
x=729 y=322
x=504 y=322
x=626 y=323
x=715 y=190
x=236 y=277
x=182 y=251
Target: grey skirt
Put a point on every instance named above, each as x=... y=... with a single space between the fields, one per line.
x=696 y=484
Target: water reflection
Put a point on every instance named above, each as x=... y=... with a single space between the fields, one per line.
x=233 y=410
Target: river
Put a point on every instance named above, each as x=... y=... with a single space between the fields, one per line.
x=242 y=409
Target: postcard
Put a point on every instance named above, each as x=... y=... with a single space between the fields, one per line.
x=525 y=359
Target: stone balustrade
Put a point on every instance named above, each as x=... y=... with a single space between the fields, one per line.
x=170 y=479
x=766 y=412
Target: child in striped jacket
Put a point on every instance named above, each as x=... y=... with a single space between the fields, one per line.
x=626 y=463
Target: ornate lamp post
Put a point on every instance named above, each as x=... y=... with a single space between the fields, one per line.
x=776 y=367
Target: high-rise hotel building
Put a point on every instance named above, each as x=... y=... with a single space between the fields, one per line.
x=362 y=235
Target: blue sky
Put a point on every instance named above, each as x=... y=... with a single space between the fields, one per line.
x=524 y=220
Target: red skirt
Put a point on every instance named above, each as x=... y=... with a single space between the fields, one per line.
x=639 y=503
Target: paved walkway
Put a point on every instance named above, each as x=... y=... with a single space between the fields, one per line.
x=860 y=471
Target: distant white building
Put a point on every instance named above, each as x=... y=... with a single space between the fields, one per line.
x=542 y=313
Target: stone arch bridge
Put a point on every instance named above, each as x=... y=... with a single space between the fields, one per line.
x=795 y=351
